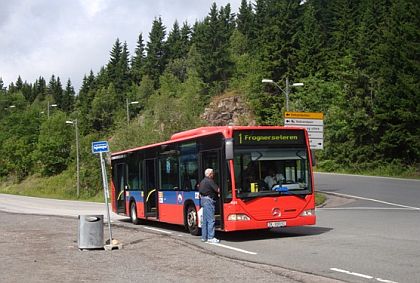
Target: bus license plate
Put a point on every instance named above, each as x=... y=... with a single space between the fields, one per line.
x=276 y=224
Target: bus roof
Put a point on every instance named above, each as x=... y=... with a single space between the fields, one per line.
x=204 y=131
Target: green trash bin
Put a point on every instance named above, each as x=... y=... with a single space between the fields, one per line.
x=91 y=232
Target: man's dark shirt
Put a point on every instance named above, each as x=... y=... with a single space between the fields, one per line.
x=208 y=188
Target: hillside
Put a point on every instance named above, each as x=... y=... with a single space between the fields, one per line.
x=357 y=60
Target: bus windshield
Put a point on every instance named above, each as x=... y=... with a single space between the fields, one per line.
x=271 y=171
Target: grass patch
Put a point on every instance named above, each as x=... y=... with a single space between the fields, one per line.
x=62 y=186
x=393 y=169
x=319 y=199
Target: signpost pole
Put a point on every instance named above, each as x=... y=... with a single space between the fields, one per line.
x=106 y=195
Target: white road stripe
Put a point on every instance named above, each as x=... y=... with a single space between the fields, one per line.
x=371 y=199
x=232 y=248
x=351 y=273
x=216 y=244
x=385 y=281
x=157 y=230
x=361 y=275
x=365 y=176
x=363 y=208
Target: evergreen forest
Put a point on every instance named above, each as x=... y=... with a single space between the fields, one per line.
x=359 y=61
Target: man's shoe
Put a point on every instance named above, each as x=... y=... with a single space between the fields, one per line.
x=204 y=240
x=213 y=240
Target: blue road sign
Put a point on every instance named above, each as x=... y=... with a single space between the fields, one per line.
x=100 y=146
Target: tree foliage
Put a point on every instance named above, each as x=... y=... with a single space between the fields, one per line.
x=358 y=61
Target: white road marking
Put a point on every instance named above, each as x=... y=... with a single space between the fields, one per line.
x=361 y=275
x=157 y=230
x=351 y=273
x=362 y=207
x=232 y=248
x=371 y=199
x=364 y=176
x=216 y=244
x=385 y=281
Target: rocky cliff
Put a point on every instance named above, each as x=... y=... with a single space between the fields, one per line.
x=228 y=109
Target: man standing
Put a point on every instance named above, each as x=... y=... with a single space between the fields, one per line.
x=208 y=192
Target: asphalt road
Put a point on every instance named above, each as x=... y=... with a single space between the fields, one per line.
x=371 y=235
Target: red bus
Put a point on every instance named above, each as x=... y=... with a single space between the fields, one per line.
x=158 y=182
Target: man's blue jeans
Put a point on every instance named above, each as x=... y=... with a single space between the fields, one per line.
x=207 y=227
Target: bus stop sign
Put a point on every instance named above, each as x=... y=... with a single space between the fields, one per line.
x=100 y=146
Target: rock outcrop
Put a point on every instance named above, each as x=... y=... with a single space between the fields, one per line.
x=228 y=109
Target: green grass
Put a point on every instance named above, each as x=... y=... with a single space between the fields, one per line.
x=62 y=186
x=374 y=169
x=319 y=199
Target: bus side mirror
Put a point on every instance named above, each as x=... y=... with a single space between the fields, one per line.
x=313 y=157
x=229 y=149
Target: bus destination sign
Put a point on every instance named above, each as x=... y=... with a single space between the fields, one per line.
x=268 y=137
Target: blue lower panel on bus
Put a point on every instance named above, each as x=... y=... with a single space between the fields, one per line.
x=178 y=197
x=137 y=195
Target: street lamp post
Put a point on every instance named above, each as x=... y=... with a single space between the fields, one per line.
x=74 y=123
x=286 y=92
x=48 y=108
x=128 y=113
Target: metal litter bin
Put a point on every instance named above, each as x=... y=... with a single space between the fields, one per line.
x=91 y=232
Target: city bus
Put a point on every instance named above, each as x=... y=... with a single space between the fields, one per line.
x=159 y=182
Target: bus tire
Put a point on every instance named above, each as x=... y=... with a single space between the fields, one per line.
x=192 y=221
x=133 y=213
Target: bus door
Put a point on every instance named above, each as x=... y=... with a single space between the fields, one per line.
x=211 y=159
x=150 y=189
x=120 y=187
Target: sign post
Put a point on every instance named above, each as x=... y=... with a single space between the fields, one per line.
x=313 y=122
x=101 y=147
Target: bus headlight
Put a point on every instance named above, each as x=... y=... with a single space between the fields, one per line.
x=238 y=217
x=309 y=212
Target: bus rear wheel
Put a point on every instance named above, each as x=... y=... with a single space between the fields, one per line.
x=133 y=213
x=192 y=221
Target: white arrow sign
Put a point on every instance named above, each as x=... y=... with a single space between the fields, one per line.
x=308 y=122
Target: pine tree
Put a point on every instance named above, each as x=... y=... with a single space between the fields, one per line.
x=185 y=39
x=156 y=58
x=19 y=84
x=40 y=89
x=118 y=71
x=211 y=39
x=2 y=87
x=124 y=70
x=55 y=91
x=114 y=61
x=245 y=21
x=278 y=25
x=310 y=55
x=174 y=44
x=68 y=97
x=397 y=100
x=137 y=61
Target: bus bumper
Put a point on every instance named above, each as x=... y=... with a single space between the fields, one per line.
x=239 y=225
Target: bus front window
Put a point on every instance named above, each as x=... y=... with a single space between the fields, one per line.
x=265 y=171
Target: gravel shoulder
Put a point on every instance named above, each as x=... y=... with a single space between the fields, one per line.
x=40 y=248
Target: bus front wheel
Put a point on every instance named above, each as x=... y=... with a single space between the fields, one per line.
x=192 y=221
x=133 y=213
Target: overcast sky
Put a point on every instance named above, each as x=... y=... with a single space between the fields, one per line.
x=68 y=38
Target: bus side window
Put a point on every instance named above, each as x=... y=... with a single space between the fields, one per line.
x=169 y=173
x=190 y=176
x=133 y=174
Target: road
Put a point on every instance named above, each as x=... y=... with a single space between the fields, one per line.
x=371 y=235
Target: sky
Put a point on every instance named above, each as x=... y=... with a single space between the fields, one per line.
x=68 y=38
